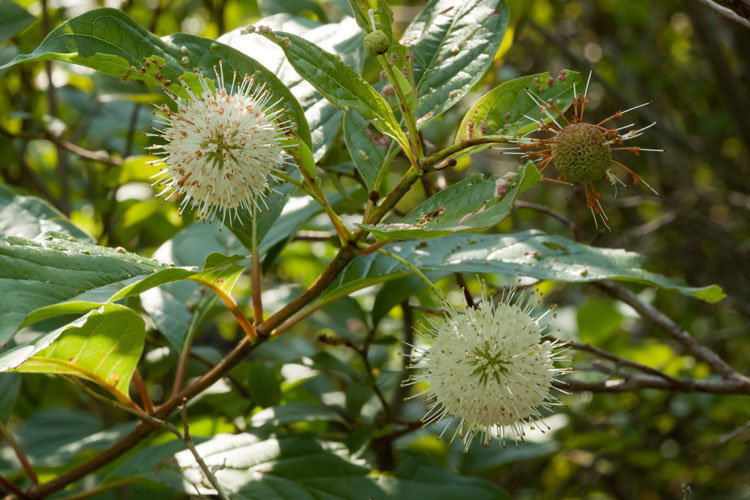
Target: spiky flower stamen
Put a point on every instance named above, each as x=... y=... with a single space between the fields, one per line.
x=488 y=368
x=221 y=145
x=581 y=152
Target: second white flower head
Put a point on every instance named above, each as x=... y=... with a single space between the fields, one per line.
x=221 y=146
x=488 y=368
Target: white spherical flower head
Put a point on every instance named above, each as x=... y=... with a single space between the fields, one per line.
x=488 y=368
x=221 y=146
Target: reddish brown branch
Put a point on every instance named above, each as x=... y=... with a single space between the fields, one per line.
x=162 y=412
x=12 y=488
x=143 y=392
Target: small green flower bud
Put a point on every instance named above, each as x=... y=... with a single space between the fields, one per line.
x=377 y=43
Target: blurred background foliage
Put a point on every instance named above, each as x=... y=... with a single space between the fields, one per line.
x=692 y=64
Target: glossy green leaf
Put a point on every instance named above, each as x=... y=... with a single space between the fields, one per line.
x=343 y=38
x=531 y=253
x=294 y=412
x=263 y=385
x=103 y=346
x=453 y=45
x=339 y=83
x=109 y=41
x=55 y=274
x=368 y=156
x=467 y=205
x=54 y=437
x=13 y=19
x=295 y=467
x=10 y=383
x=29 y=216
x=504 y=109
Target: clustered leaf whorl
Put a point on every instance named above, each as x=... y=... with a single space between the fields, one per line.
x=221 y=145
x=488 y=368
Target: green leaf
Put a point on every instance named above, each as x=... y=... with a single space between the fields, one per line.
x=54 y=437
x=28 y=217
x=368 y=157
x=339 y=83
x=297 y=7
x=294 y=412
x=453 y=45
x=263 y=385
x=530 y=253
x=357 y=394
x=103 y=346
x=10 y=383
x=55 y=274
x=109 y=41
x=503 y=110
x=394 y=292
x=13 y=19
x=416 y=477
x=464 y=206
x=294 y=467
x=343 y=38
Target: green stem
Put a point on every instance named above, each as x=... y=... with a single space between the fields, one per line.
x=255 y=273
x=394 y=196
x=310 y=188
x=206 y=303
x=411 y=124
x=465 y=144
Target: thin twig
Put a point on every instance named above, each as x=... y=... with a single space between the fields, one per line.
x=19 y=453
x=735 y=433
x=660 y=319
x=544 y=210
x=191 y=446
x=726 y=13
x=582 y=346
x=67 y=145
x=635 y=382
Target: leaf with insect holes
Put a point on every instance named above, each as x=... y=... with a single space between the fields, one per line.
x=509 y=110
x=453 y=44
x=531 y=253
x=470 y=204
